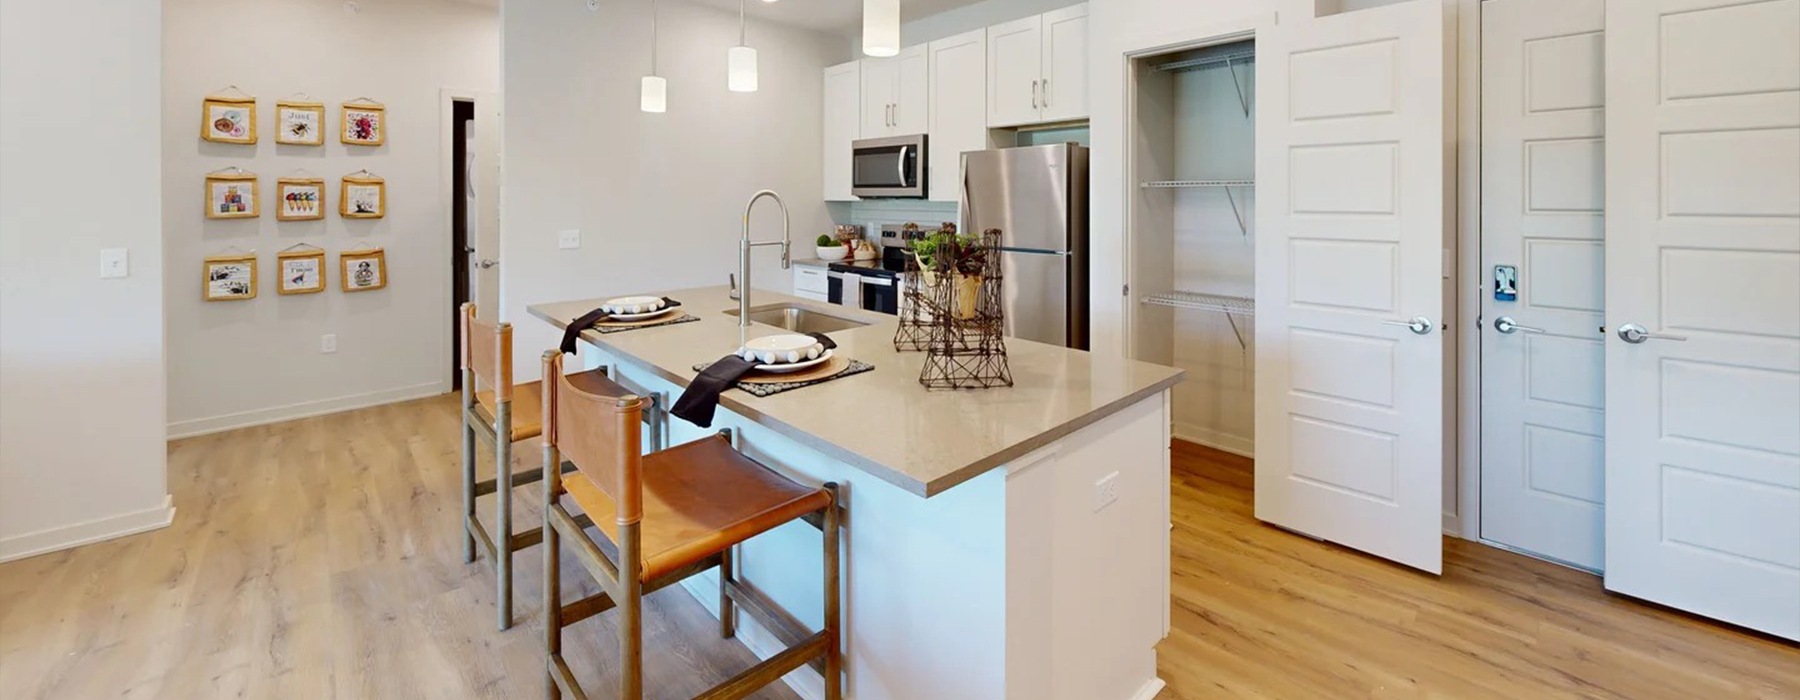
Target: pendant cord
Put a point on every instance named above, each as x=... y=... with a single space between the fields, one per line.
x=741 y=22
x=653 y=37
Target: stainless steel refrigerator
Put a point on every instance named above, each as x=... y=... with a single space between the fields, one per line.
x=1038 y=197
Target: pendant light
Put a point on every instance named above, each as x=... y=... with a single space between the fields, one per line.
x=881 y=27
x=740 y=61
x=654 y=96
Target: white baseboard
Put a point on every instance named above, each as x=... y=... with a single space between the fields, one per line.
x=57 y=539
x=1150 y=689
x=1453 y=525
x=1235 y=444
x=805 y=682
x=308 y=409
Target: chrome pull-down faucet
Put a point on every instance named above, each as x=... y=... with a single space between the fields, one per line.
x=744 y=246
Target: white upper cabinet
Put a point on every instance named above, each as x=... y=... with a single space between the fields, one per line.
x=1037 y=68
x=894 y=93
x=1063 y=94
x=958 y=121
x=842 y=125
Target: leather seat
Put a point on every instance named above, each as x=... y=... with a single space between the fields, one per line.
x=528 y=401
x=699 y=499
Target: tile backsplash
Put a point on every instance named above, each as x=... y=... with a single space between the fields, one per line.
x=871 y=214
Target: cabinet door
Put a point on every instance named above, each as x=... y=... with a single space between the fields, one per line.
x=958 y=122
x=1015 y=70
x=879 y=79
x=912 y=90
x=1063 y=94
x=842 y=125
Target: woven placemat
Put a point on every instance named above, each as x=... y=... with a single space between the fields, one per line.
x=772 y=384
x=622 y=326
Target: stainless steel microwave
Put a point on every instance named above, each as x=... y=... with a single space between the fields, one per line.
x=888 y=168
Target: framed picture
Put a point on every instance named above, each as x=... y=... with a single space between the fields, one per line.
x=231 y=277
x=302 y=270
x=365 y=123
x=299 y=199
x=363 y=270
x=300 y=123
x=362 y=197
x=232 y=195
x=228 y=119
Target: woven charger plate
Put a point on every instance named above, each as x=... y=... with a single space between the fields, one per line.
x=836 y=364
x=674 y=313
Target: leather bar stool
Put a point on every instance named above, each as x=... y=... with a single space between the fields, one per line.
x=503 y=413
x=661 y=518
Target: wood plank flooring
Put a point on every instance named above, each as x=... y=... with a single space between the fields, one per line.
x=320 y=559
x=1262 y=613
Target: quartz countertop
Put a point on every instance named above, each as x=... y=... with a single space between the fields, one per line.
x=883 y=421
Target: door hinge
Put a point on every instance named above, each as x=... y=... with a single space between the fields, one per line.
x=1125 y=291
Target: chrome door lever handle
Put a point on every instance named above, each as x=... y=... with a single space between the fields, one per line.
x=486 y=263
x=1505 y=324
x=1416 y=324
x=1634 y=334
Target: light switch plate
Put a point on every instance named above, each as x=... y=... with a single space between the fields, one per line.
x=568 y=239
x=115 y=263
x=328 y=343
x=1106 y=491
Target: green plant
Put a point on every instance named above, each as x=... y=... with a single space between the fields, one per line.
x=945 y=250
x=825 y=241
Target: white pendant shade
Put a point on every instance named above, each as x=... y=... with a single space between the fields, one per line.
x=655 y=97
x=881 y=27
x=741 y=63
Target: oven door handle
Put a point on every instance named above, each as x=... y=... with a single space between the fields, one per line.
x=876 y=281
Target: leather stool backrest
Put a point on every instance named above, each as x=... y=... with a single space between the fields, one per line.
x=600 y=434
x=487 y=352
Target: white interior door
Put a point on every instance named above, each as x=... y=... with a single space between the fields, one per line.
x=1703 y=254
x=1353 y=178
x=1543 y=188
x=484 y=263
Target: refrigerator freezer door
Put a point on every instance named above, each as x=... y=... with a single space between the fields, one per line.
x=1035 y=296
x=1024 y=192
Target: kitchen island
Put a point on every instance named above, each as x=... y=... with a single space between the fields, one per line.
x=998 y=544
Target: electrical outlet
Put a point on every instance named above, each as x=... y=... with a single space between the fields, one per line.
x=328 y=343
x=568 y=239
x=114 y=263
x=1106 y=491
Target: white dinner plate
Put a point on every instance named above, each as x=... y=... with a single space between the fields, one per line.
x=643 y=316
x=632 y=305
x=794 y=366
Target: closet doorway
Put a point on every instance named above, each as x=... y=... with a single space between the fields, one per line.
x=1290 y=243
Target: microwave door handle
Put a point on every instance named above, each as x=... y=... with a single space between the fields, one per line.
x=900 y=167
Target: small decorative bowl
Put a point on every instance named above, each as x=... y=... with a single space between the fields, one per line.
x=781 y=349
x=632 y=305
x=832 y=253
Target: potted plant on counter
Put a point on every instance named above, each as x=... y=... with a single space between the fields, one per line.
x=829 y=249
x=945 y=251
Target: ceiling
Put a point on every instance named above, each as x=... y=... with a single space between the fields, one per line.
x=836 y=16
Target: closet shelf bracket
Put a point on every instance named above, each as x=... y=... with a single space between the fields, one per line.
x=1235 y=82
x=1231 y=306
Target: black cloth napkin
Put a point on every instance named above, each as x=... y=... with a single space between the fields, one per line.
x=587 y=320
x=701 y=397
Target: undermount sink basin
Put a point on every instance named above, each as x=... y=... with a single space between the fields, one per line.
x=799 y=319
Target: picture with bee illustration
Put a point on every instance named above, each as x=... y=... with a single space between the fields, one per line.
x=300 y=123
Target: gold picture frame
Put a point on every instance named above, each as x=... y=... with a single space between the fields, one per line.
x=229 y=277
x=226 y=119
x=301 y=269
x=300 y=123
x=362 y=270
x=363 y=122
x=232 y=194
x=362 y=196
x=299 y=198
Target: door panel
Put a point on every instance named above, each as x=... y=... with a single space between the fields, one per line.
x=880 y=79
x=843 y=126
x=912 y=90
x=485 y=214
x=1542 y=192
x=1703 y=249
x=958 y=122
x=1015 y=64
x=1351 y=207
x=1064 y=92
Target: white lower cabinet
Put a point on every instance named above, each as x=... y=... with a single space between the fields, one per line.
x=810 y=283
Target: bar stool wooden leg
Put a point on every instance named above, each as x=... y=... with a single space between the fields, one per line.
x=468 y=469
x=503 y=554
x=552 y=573
x=727 y=621
x=834 y=672
x=631 y=617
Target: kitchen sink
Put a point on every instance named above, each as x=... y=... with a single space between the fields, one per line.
x=799 y=319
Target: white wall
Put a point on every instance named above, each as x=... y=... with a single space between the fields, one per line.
x=248 y=362
x=81 y=359
x=658 y=197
